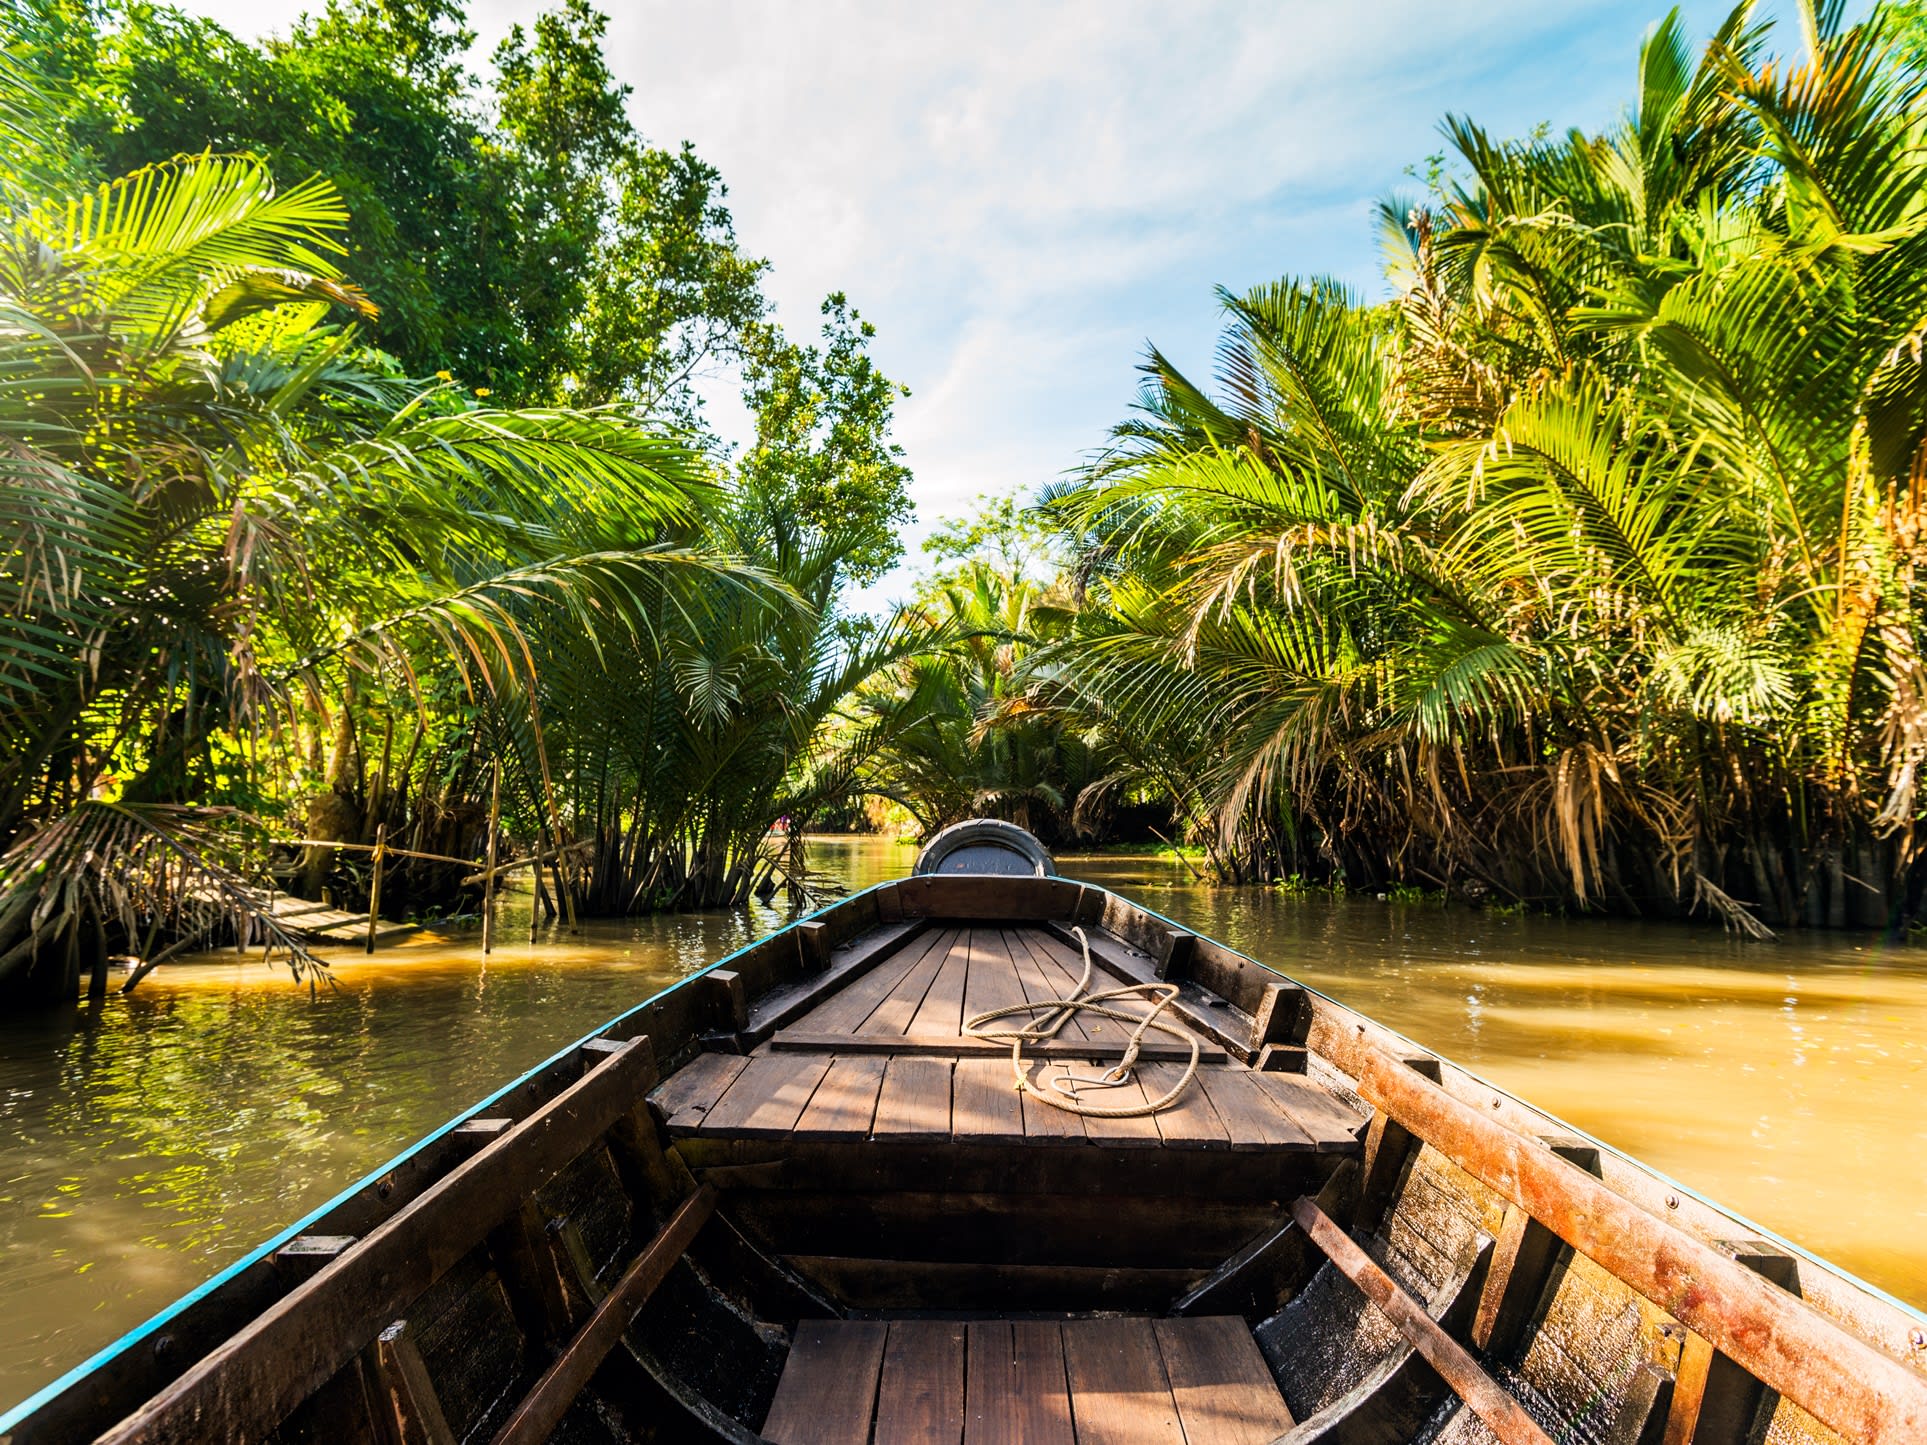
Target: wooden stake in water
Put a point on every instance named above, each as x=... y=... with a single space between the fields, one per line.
x=488 y=868
x=374 y=885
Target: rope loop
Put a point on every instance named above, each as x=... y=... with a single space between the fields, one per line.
x=1062 y=1093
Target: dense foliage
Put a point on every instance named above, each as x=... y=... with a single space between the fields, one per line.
x=1583 y=571
x=262 y=586
x=1579 y=573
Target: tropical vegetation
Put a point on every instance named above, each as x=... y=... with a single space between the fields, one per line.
x=1582 y=572
x=285 y=582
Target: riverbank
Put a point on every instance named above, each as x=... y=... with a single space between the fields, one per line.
x=148 y=1141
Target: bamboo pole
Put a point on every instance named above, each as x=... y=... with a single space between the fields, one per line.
x=374 y=886
x=488 y=881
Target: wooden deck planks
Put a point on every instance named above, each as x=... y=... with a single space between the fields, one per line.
x=686 y=1096
x=1116 y=1381
x=1017 y=1393
x=1043 y=977
x=846 y=1009
x=1252 y=1118
x=1220 y=1383
x=827 y=1395
x=1190 y=1122
x=1322 y=1117
x=941 y=1011
x=1119 y=1392
x=915 y=1101
x=768 y=1096
x=1140 y=1132
x=1045 y=1123
x=894 y=1013
x=920 y=1398
x=985 y=1107
x=845 y=1102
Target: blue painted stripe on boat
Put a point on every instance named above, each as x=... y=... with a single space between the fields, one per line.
x=145 y=1330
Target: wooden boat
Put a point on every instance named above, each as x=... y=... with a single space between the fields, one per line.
x=796 y=1198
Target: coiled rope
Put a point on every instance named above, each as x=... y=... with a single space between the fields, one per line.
x=1062 y=1093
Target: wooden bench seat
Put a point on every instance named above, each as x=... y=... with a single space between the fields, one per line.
x=1119 y=1381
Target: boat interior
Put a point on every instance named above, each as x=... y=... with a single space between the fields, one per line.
x=800 y=1198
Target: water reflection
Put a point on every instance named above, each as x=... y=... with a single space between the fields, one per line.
x=148 y=1142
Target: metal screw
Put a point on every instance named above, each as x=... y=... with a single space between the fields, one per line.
x=163 y=1346
x=1917 y=1337
x=384 y=1188
x=1672 y=1201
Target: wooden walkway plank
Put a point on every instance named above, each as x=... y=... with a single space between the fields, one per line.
x=843 y=1011
x=1330 y=1123
x=985 y=1106
x=914 y=1105
x=920 y=1399
x=1017 y=1393
x=768 y=1096
x=827 y=1395
x=1045 y=1123
x=993 y=978
x=1119 y=1393
x=1222 y=1387
x=894 y=1013
x=941 y=1011
x=1189 y=1122
x=1251 y=1117
x=686 y=1096
x=845 y=1103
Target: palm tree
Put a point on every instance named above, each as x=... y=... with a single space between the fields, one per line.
x=1584 y=569
x=221 y=509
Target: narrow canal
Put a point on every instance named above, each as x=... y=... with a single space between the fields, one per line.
x=146 y=1143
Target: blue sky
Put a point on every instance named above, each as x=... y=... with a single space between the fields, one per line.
x=1020 y=195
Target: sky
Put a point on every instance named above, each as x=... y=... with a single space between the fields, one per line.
x=1021 y=196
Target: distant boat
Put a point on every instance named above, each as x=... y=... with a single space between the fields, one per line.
x=800 y=1196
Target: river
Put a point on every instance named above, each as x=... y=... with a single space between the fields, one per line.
x=147 y=1142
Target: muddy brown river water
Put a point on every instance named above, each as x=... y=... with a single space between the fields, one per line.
x=146 y=1143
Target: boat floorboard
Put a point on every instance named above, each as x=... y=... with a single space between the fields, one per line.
x=892 y=1084
x=1117 y=1381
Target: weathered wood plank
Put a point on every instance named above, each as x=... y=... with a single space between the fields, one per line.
x=1044 y=977
x=920 y=1398
x=855 y=960
x=1045 y=1123
x=1222 y=1387
x=406 y=1408
x=985 y=1106
x=993 y=977
x=1017 y=1393
x=1119 y=1393
x=1190 y=1122
x=686 y=1096
x=247 y=1386
x=915 y=1101
x=845 y=1101
x=1135 y=1132
x=1330 y=1124
x=846 y=1008
x=1251 y=1117
x=895 y=1010
x=544 y=1406
x=941 y=1012
x=827 y=1395
x=768 y=1096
